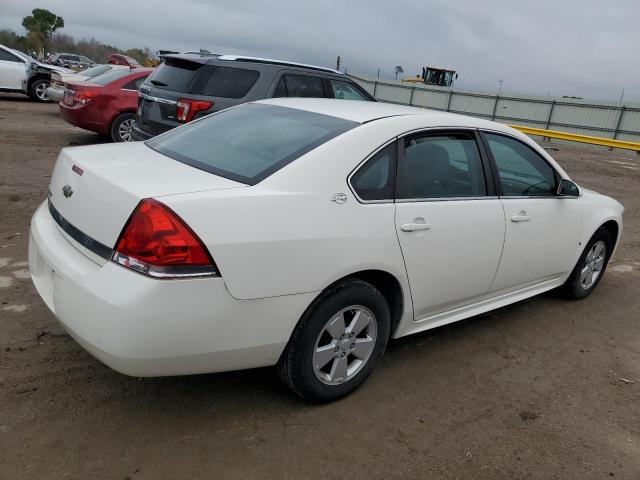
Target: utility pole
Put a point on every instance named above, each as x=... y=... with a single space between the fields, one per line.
x=621 y=96
x=500 y=82
x=378 y=73
x=338 y=63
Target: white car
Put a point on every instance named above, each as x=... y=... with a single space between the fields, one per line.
x=21 y=73
x=55 y=91
x=306 y=233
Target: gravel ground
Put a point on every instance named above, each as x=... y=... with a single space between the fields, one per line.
x=541 y=389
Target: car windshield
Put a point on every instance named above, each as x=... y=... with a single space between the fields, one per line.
x=110 y=76
x=250 y=142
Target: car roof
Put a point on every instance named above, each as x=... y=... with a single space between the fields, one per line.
x=363 y=112
x=271 y=61
x=353 y=110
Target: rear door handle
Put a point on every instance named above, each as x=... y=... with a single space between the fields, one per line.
x=416 y=225
x=520 y=217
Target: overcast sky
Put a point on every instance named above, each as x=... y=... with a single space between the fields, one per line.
x=562 y=47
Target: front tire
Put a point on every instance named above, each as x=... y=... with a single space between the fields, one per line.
x=338 y=342
x=121 y=127
x=38 y=90
x=590 y=267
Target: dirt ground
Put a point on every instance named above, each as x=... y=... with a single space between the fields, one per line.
x=542 y=389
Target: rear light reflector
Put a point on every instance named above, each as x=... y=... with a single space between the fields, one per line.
x=187 y=108
x=155 y=241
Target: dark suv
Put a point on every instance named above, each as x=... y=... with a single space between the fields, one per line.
x=189 y=86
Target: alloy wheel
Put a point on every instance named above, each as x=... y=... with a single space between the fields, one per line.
x=124 y=130
x=344 y=345
x=593 y=264
x=41 y=91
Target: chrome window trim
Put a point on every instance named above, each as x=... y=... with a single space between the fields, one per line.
x=445 y=199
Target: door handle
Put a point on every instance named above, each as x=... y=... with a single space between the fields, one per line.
x=416 y=225
x=520 y=217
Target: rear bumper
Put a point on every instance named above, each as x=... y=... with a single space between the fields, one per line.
x=147 y=327
x=55 y=94
x=140 y=135
x=85 y=116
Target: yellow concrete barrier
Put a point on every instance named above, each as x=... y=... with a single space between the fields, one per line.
x=574 y=137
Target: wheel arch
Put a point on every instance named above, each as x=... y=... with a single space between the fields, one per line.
x=389 y=286
x=613 y=228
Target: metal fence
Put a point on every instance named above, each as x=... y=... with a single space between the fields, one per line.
x=600 y=119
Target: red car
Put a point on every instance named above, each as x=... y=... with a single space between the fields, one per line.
x=117 y=59
x=107 y=104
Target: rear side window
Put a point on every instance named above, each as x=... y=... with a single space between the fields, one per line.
x=441 y=166
x=375 y=180
x=110 y=76
x=299 y=86
x=229 y=82
x=250 y=142
x=346 y=91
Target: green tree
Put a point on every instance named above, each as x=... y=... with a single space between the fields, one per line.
x=42 y=23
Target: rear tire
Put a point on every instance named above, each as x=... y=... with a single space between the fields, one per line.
x=38 y=90
x=338 y=342
x=590 y=267
x=121 y=127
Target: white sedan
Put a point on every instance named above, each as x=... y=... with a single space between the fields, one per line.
x=305 y=233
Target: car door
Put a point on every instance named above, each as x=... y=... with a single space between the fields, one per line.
x=542 y=229
x=13 y=71
x=449 y=222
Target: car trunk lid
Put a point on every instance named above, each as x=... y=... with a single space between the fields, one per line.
x=94 y=189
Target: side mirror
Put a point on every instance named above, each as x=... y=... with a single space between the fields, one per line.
x=568 y=189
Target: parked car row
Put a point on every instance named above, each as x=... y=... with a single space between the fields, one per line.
x=58 y=80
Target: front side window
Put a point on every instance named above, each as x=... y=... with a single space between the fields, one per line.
x=346 y=91
x=441 y=166
x=300 y=86
x=375 y=179
x=522 y=171
x=250 y=142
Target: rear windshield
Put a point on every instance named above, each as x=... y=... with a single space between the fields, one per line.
x=111 y=76
x=180 y=75
x=250 y=142
x=95 y=71
x=175 y=74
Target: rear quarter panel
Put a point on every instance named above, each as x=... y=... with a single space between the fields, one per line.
x=285 y=235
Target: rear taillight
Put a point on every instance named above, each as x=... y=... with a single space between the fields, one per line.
x=187 y=108
x=84 y=96
x=156 y=242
